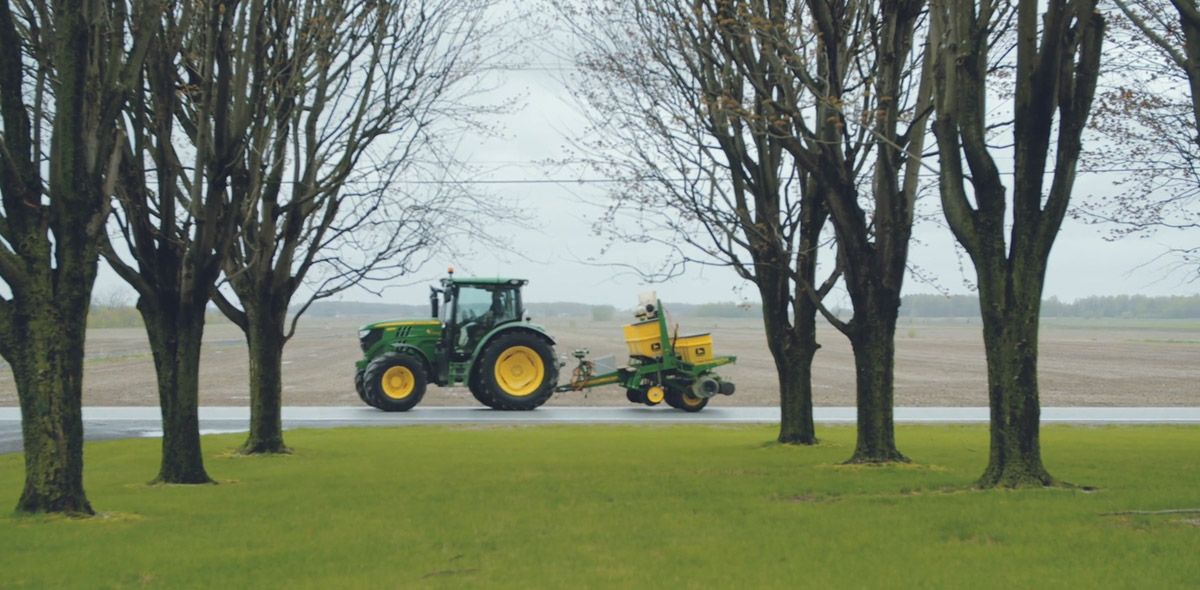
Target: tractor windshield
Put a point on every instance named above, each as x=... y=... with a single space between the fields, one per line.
x=479 y=308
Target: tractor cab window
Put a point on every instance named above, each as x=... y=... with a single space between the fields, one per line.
x=479 y=308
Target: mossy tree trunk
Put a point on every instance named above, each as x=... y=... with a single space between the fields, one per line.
x=263 y=322
x=1011 y=344
x=44 y=346
x=71 y=84
x=793 y=345
x=872 y=338
x=176 y=332
x=266 y=392
x=1057 y=65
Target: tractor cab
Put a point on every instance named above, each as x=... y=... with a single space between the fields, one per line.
x=472 y=309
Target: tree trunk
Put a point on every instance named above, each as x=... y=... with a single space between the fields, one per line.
x=47 y=366
x=793 y=344
x=872 y=338
x=265 y=339
x=796 y=397
x=1010 y=335
x=175 y=338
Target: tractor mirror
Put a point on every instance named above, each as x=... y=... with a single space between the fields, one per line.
x=433 y=301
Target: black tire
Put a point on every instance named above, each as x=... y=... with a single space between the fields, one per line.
x=673 y=399
x=517 y=371
x=478 y=391
x=360 y=388
x=684 y=400
x=394 y=382
x=634 y=396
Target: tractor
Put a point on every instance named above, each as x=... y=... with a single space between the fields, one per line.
x=478 y=335
x=480 y=338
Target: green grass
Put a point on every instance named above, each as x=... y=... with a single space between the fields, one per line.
x=619 y=507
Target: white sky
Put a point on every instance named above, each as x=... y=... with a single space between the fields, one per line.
x=563 y=257
x=564 y=263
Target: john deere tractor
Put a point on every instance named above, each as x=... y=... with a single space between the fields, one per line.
x=477 y=335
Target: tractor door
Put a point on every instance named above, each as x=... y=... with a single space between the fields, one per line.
x=478 y=309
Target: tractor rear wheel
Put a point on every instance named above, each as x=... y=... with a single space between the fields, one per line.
x=478 y=391
x=395 y=382
x=518 y=371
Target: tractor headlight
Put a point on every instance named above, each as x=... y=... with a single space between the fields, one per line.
x=368 y=338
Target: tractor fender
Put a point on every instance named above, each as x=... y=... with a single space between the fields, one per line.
x=416 y=353
x=536 y=330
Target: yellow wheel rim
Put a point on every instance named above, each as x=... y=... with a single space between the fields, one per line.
x=398 y=383
x=520 y=371
x=692 y=401
x=655 y=394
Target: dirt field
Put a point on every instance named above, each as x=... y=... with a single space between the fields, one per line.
x=1083 y=363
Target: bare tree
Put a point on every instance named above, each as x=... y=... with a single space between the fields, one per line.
x=1173 y=28
x=861 y=141
x=176 y=216
x=64 y=76
x=1148 y=113
x=1053 y=83
x=830 y=84
x=710 y=179
x=355 y=100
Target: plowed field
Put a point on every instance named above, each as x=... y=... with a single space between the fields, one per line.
x=938 y=363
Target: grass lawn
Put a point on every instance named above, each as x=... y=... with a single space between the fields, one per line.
x=620 y=507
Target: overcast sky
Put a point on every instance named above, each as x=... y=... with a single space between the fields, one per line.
x=563 y=258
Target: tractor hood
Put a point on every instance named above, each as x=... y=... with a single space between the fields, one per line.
x=369 y=334
x=397 y=323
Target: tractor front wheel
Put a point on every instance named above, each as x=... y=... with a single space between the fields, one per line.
x=361 y=388
x=395 y=382
x=518 y=371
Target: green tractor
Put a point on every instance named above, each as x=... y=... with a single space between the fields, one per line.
x=480 y=338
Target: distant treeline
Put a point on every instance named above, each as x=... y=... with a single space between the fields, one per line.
x=537 y=310
x=1113 y=306
x=110 y=315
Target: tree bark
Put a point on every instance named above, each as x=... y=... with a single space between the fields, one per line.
x=790 y=310
x=1011 y=345
x=47 y=365
x=265 y=337
x=796 y=396
x=872 y=338
x=175 y=337
x=793 y=345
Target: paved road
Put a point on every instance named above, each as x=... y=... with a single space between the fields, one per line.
x=104 y=423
